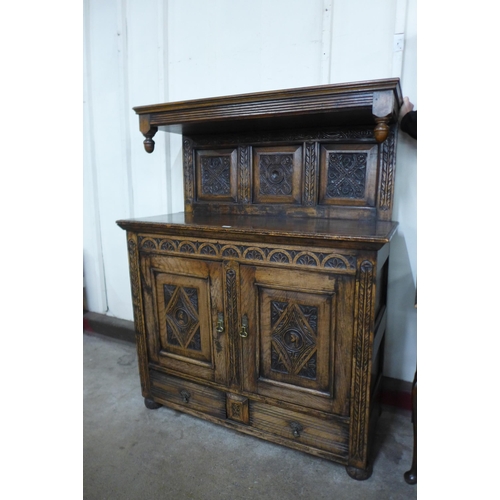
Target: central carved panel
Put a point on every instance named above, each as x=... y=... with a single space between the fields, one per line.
x=182 y=317
x=276 y=174
x=346 y=175
x=294 y=339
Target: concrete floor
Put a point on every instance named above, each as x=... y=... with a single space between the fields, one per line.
x=130 y=452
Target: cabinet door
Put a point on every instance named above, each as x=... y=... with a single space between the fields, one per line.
x=292 y=352
x=183 y=304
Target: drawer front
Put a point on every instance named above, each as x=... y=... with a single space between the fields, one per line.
x=331 y=435
x=187 y=394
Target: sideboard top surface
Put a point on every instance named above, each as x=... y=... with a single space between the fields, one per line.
x=327 y=230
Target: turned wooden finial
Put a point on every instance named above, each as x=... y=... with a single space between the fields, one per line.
x=382 y=110
x=148 y=131
x=381 y=130
x=149 y=144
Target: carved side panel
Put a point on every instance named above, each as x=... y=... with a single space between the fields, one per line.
x=189 y=174
x=310 y=175
x=362 y=364
x=231 y=287
x=387 y=176
x=245 y=179
x=140 y=329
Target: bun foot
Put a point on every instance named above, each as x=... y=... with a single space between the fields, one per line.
x=152 y=405
x=359 y=474
x=411 y=476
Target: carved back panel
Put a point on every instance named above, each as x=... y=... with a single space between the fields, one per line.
x=334 y=173
x=326 y=151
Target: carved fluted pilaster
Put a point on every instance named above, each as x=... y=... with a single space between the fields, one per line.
x=140 y=327
x=361 y=365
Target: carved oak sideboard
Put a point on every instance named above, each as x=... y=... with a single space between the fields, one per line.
x=262 y=306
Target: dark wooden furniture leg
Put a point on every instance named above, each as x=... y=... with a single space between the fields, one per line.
x=359 y=474
x=151 y=405
x=411 y=475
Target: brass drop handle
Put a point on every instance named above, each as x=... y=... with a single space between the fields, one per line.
x=296 y=428
x=220 y=323
x=244 y=326
x=185 y=395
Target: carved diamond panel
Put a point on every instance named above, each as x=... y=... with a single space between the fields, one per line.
x=293 y=346
x=181 y=315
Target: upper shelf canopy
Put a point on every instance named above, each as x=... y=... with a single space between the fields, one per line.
x=374 y=102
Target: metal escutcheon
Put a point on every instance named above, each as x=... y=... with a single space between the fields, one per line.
x=220 y=323
x=185 y=395
x=244 y=326
x=296 y=428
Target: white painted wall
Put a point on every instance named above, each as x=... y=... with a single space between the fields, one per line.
x=138 y=53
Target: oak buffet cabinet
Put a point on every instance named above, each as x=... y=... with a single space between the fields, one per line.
x=262 y=306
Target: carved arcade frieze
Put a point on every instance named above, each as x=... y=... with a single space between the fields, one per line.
x=271 y=254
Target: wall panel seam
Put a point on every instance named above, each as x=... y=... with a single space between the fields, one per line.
x=164 y=96
x=93 y=161
x=326 y=42
x=123 y=55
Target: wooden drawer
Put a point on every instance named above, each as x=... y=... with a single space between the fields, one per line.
x=330 y=434
x=168 y=389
